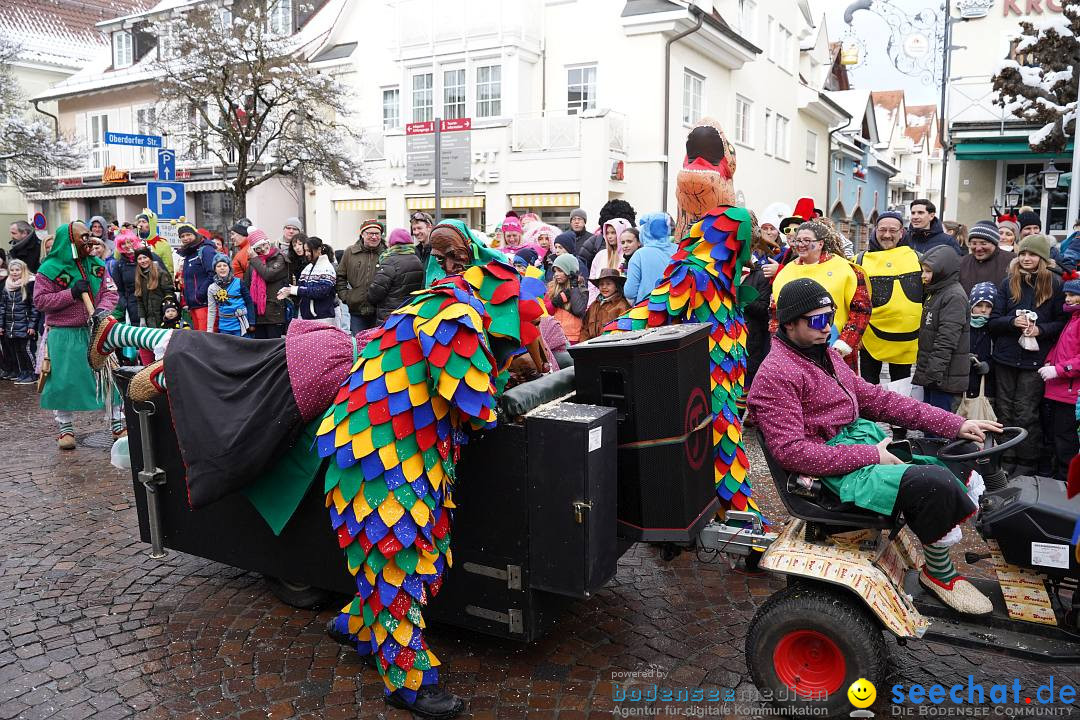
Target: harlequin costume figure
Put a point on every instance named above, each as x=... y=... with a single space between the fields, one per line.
x=703 y=283
x=397 y=416
x=69 y=274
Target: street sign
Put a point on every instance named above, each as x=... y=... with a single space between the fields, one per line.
x=166 y=164
x=39 y=221
x=166 y=199
x=169 y=232
x=455 y=154
x=132 y=140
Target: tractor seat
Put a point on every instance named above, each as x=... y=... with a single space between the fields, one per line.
x=820 y=505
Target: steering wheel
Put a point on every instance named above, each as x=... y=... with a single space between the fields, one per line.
x=990 y=445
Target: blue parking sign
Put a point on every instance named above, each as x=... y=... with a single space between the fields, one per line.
x=166 y=199
x=166 y=165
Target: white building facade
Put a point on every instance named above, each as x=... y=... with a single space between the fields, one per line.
x=569 y=104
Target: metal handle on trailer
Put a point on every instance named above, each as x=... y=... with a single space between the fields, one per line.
x=152 y=477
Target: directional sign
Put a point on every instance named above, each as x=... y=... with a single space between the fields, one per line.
x=132 y=140
x=166 y=164
x=166 y=199
x=455 y=154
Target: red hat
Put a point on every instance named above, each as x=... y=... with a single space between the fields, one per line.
x=205 y=233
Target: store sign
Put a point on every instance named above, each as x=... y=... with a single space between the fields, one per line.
x=111 y=175
x=1030 y=7
x=70 y=182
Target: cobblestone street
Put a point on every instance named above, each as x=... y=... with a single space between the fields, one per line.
x=90 y=626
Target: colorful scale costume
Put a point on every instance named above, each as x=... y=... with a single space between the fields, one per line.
x=433 y=369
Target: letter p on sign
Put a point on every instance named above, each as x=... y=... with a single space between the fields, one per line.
x=166 y=199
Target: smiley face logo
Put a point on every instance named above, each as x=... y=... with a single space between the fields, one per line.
x=862 y=693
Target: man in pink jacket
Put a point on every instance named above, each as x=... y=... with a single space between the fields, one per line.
x=805 y=396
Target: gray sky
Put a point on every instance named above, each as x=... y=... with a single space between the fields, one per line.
x=876 y=70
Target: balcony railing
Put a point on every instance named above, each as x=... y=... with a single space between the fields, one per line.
x=538 y=131
x=972 y=99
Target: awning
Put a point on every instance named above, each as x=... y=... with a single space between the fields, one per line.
x=570 y=200
x=448 y=203
x=1006 y=149
x=365 y=204
x=104 y=191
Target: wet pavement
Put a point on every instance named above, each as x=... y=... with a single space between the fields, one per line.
x=90 y=626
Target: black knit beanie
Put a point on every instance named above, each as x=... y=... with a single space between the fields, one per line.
x=799 y=297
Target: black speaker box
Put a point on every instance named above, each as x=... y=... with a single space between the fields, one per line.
x=658 y=382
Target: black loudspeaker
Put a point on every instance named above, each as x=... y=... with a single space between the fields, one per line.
x=658 y=382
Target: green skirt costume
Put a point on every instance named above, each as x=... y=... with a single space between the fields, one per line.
x=873 y=487
x=71 y=384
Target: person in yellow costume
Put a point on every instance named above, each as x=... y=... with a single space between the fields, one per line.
x=819 y=258
x=893 y=272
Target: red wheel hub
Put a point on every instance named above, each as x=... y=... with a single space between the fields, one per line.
x=809 y=663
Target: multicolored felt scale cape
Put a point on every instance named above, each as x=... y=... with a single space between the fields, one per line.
x=702 y=285
x=433 y=369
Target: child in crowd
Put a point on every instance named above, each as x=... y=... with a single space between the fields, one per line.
x=1060 y=374
x=981 y=301
x=18 y=323
x=943 y=362
x=1026 y=321
x=525 y=262
x=171 y=318
x=610 y=303
x=565 y=298
x=629 y=243
x=227 y=301
x=563 y=247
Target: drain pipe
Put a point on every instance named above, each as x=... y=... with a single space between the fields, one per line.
x=828 y=188
x=56 y=120
x=667 y=99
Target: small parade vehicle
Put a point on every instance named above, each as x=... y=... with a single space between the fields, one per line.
x=853 y=574
x=612 y=449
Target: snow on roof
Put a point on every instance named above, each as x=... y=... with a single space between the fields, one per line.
x=61 y=32
x=886 y=110
x=920 y=120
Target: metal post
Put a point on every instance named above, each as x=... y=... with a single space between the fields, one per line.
x=1074 y=184
x=152 y=477
x=438 y=170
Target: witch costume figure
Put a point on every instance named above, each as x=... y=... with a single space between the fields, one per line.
x=703 y=284
x=390 y=412
x=70 y=285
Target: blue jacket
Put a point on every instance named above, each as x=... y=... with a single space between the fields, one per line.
x=198 y=272
x=237 y=302
x=647 y=265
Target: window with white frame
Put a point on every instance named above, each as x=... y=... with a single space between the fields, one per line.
x=96 y=127
x=748 y=19
x=488 y=91
x=146 y=124
x=693 y=89
x=123 y=49
x=811 y=150
x=781 y=143
x=770 y=132
x=770 y=38
x=580 y=89
x=838 y=164
x=743 y=117
x=787 y=49
x=422 y=98
x=391 y=108
x=280 y=20
x=454 y=94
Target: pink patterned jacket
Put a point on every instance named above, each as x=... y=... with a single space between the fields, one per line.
x=61 y=310
x=799 y=407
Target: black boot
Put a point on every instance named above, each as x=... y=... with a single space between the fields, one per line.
x=431 y=702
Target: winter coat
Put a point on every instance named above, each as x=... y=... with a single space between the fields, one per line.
x=28 y=250
x=315 y=290
x=982 y=345
x=149 y=303
x=600 y=314
x=354 y=275
x=157 y=243
x=799 y=407
x=1065 y=357
x=198 y=271
x=241 y=259
x=646 y=268
x=758 y=337
x=18 y=316
x=398 y=273
x=944 y=360
x=123 y=274
x=1051 y=320
x=925 y=239
x=274 y=270
x=226 y=305
x=60 y=309
x=992 y=270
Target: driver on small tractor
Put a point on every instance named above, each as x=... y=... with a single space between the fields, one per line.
x=818 y=418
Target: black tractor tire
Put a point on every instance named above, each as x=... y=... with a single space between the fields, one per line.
x=300 y=596
x=823 y=637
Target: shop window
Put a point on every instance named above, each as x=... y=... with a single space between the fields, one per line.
x=1025 y=179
